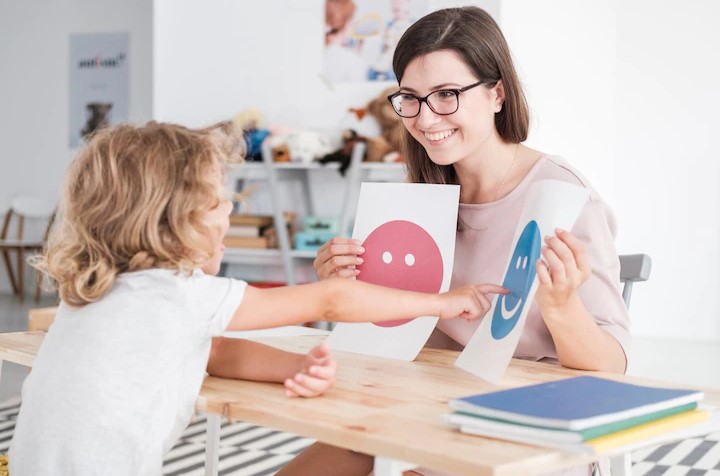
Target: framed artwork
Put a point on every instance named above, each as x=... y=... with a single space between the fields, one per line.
x=360 y=37
x=99 y=82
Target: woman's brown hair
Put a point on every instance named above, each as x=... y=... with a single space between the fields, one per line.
x=471 y=33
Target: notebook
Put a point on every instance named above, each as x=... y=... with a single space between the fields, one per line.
x=506 y=429
x=676 y=427
x=576 y=403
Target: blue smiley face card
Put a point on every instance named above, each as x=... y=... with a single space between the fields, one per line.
x=549 y=204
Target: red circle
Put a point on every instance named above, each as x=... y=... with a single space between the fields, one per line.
x=401 y=254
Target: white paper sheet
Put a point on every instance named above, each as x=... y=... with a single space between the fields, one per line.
x=550 y=204
x=408 y=232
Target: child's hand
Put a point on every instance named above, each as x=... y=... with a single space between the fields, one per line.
x=468 y=302
x=316 y=375
x=564 y=269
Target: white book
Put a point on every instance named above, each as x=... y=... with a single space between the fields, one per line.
x=250 y=231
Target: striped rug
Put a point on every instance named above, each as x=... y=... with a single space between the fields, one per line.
x=249 y=450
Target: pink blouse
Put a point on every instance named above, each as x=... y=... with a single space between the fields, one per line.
x=482 y=250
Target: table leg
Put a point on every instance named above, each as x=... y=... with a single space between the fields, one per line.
x=621 y=465
x=212 y=444
x=391 y=467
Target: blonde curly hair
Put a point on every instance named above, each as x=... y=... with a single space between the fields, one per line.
x=134 y=199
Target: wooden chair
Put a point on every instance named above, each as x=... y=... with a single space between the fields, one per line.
x=22 y=208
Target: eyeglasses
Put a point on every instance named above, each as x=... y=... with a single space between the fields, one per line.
x=442 y=102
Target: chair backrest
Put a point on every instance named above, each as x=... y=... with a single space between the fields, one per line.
x=633 y=268
x=22 y=207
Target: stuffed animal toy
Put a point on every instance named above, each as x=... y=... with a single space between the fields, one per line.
x=307 y=146
x=388 y=146
x=344 y=154
x=249 y=121
x=281 y=153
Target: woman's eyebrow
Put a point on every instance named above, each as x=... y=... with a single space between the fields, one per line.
x=433 y=88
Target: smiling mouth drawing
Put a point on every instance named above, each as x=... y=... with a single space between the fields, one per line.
x=519 y=281
x=509 y=314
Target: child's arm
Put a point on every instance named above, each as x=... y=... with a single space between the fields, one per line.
x=303 y=375
x=346 y=300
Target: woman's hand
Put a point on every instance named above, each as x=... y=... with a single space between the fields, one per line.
x=316 y=375
x=338 y=257
x=468 y=302
x=564 y=268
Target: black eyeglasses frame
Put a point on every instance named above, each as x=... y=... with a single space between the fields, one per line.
x=424 y=99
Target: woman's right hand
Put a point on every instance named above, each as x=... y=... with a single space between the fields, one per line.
x=338 y=257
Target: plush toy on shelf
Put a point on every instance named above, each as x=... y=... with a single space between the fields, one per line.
x=249 y=121
x=387 y=147
x=344 y=154
x=383 y=148
x=307 y=146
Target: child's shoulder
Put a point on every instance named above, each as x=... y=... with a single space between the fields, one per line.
x=168 y=282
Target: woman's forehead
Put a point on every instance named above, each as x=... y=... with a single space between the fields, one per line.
x=436 y=69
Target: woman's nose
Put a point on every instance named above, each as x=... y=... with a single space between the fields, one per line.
x=426 y=117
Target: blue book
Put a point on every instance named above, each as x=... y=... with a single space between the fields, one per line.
x=576 y=403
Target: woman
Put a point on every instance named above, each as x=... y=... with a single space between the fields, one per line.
x=466 y=117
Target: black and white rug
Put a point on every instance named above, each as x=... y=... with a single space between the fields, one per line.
x=249 y=450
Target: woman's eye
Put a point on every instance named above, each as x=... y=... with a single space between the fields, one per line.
x=445 y=94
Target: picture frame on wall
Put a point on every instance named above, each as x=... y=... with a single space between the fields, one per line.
x=99 y=83
x=360 y=37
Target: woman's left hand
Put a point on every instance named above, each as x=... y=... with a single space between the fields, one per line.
x=564 y=268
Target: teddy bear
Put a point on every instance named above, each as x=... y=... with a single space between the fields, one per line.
x=388 y=146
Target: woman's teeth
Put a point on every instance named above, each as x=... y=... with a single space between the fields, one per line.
x=436 y=136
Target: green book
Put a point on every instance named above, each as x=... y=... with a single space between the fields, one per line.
x=496 y=427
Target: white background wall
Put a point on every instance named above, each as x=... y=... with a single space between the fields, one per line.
x=34 y=40
x=626 y=90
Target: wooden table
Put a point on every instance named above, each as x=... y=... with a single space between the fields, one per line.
x=382 y=407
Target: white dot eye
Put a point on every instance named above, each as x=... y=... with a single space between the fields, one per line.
x=525 y=262
x=387 y=257
x=409 y=259
x=517 y=264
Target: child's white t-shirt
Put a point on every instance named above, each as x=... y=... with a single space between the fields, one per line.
x=115 y=382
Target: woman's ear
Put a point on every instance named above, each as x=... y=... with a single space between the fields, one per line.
x=499 y=89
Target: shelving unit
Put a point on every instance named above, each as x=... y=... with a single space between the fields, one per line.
x=277 y=172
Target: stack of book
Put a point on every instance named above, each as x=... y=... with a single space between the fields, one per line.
x=585 y=414
x=248 y=231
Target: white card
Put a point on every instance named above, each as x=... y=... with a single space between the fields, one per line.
x=550 y=204
x=408 y=232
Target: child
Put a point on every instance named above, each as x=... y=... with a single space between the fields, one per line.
x=139 y=237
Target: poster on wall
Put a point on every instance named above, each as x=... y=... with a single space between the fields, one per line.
x=99 y=83
x=360 y=37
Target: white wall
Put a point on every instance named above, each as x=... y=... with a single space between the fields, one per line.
x=214 y=59
x=34 y=39
x=668 y=169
